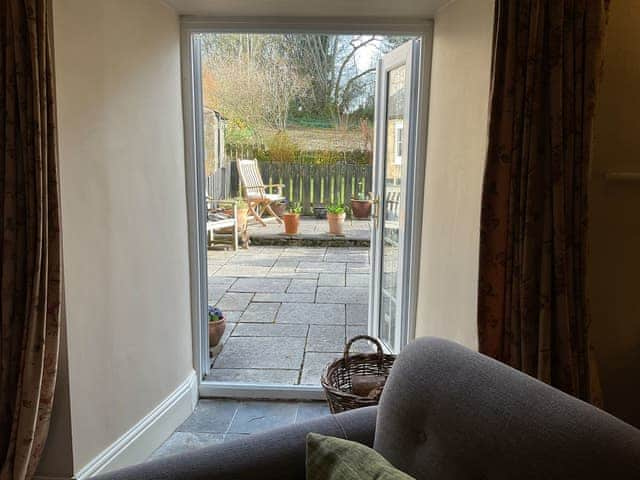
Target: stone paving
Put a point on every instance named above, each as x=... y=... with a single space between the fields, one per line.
x=219 y=420
x=312 y=228
x=289 y=310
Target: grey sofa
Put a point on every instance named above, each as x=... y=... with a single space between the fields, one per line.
x=446 y=413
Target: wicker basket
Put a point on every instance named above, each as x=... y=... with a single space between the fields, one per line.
x=336 y=379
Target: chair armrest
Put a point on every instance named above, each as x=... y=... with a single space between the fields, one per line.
x=278 y=186
x=273 y=455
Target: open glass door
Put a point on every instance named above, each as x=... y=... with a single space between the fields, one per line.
x=394 y=159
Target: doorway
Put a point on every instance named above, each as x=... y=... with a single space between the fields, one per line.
x=384 y=288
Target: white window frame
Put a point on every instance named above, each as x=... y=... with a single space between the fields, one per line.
x=195 y=179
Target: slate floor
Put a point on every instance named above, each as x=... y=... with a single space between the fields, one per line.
x=289 y=310
x=216 y=421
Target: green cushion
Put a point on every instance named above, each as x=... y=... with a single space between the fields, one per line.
x=331 y=458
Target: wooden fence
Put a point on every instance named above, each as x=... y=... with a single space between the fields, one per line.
x=312 y=184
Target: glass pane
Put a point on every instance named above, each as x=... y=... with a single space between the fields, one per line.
x=394 y=159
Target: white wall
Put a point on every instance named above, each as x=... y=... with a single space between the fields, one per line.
x=461 y=69
x=614 y=256
x=124 y=222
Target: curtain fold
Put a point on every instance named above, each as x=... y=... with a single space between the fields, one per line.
x=532 y=305
x=30 y=256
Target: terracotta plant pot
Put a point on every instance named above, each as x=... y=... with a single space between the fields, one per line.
x=291 y=223
x=361 y=208
x=216 y=330
x=336 y=223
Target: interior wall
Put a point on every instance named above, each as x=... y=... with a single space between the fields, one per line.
x=458 y=114
x=124 y=222
x=614 y=257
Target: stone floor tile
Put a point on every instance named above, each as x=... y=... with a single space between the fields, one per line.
x=214 y=294
x=237 y=270
x=357 y=268
x=300 y=285
x=254 y=261
x=357 y=314
x=314 y=364
x=358 y=279
x=321 y=267
x=270 y=330
x=261 y=352
x=232 y=437
x=254 y=375
x=234 y=301
x=224 y=282
x=254 y=416
x=325 y=338
x=342 y=295
x=285 y=297
x=260 y=312
x=211 y=416
x=276 y=273
x=311 y=313
x=311 y=410
x=260 y=285
x=232 y=316
x=181 y=442
x=331 y=280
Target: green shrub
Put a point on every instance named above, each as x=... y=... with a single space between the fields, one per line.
x=336 y=208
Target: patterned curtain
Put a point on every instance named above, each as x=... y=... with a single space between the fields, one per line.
x=30 y=240
x=532 y=307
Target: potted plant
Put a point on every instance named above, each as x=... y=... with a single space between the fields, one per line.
x=335 y=216
x=320 y=211
x=361 y=206
x=217 y=325
x=292 y=219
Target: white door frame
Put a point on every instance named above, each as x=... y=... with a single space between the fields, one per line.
x=194 y=169
x=407 y=54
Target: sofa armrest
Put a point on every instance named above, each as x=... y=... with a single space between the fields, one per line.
x=276 y=454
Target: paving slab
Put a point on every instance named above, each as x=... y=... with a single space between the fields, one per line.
x=331 y=280
x=260 y=312
x=260 y=285
x=270 y=330
x=342 y=295
x=357 y=314
x=285 y=297
x=238 y=270
x=358 y=280
x=224 y=282
x=254 y=260
x=300 y=285
x=358 y=268
x=321 y=267
x=261 y=352
x=255 y=416
x=326 y=338
x=311 y=313
x=215 y=293
x=254 y=375
x=277 y=273
x=234 y=301
x=314 y=365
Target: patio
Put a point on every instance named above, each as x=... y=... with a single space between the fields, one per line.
x=289 y=310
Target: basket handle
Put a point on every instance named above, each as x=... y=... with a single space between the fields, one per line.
x=364 y=337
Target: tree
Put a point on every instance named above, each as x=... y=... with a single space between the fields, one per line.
x=250 y=80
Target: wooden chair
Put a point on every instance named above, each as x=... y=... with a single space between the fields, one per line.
x=255 y=191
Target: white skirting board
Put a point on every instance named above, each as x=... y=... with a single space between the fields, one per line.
x=145 y=436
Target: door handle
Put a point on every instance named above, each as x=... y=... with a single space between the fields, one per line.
x=375 y=210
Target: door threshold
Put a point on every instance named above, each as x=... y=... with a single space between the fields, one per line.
x=252 y=391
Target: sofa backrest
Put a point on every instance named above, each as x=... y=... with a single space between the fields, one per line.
x=450 y=413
